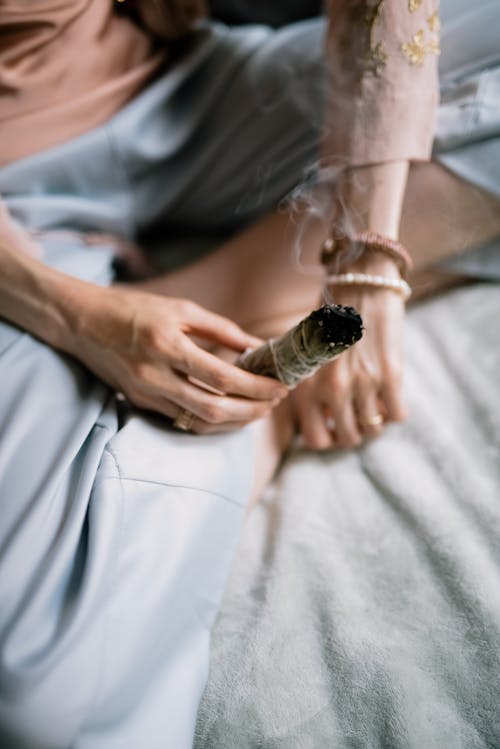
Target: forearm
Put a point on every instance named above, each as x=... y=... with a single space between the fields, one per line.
x=382 y=103
x=372 y=197
x=45 y=302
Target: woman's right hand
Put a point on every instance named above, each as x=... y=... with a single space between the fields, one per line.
x=143 y=346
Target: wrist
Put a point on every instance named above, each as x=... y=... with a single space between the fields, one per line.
x=59 y=310
x=374 y=196
x=367 y=260
x=365 y=252
x=25 y=299
x=47 y=303
x=53 y=306
x=78 y=312
x=375 y=264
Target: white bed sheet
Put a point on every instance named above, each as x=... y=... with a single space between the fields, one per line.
x=364 y=607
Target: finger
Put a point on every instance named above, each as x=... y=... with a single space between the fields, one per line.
x=226 y=377
x=216 y=409
x=370 y=415
x=171 y=410
x=158 y=405
x=391 y=393
x=217 y=328
x=202 y=427
x=170 y=386
x=346 y=424
x=313 y=425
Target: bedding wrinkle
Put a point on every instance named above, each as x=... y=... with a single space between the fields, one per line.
x=381 y=621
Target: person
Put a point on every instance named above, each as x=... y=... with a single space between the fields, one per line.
x=147 y=122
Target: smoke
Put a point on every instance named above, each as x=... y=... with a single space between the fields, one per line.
x=318 y=206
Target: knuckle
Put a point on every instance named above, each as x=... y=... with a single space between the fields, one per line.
x=213 y=413
x=351 y=442
x=350 y=439
x=201 y=427
x=340 y=382
x=399 y=413
x=135 y=397
x=139 y=372
x=303 y=395
x=318 y=442
x=233 y=328
x=365 y=379
x=153 y=337
x=179 y=357
x=187 y=307
x=182 y=361
x=392 y=372
x=221 y=381
x=315 y=437
x=373 y=431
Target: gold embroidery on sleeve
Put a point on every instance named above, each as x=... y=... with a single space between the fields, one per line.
x=377 y=56
x=415 y=49
x=434 y=23
x=418 y=48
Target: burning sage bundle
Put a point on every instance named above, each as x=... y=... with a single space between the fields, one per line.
x=299 y=353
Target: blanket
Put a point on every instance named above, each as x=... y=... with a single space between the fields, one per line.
x=363 y=610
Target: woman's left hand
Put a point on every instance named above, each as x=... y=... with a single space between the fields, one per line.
x=352 y=398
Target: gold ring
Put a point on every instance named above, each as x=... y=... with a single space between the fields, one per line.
x=184 y=420
x=373 y=421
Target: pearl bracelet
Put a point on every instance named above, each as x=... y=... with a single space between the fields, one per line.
x=364 y=279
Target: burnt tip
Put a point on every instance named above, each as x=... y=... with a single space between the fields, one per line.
x=339 y=324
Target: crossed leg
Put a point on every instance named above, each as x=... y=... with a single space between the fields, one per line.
x=253 y=278
x=443 y=215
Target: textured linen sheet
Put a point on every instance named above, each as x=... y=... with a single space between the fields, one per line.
x=364 y=607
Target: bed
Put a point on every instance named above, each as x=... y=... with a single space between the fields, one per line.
x=363 y=609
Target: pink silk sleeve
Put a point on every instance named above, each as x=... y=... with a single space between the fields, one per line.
x=383 y=83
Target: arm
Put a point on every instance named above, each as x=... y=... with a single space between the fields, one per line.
x=381 y=114
x=139 y=343
x=383 y=95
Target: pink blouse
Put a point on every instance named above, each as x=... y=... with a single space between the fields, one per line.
x=66 y=67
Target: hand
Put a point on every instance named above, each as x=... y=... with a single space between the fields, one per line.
x=142 y=345
x=334 y=406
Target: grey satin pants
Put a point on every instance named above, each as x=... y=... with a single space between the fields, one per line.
x=117 y=533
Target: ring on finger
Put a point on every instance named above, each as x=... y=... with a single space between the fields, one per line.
x=372 y=421
x=184 y=420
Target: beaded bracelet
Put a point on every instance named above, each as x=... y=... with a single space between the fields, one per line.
x=364 y=279
x=347 y=249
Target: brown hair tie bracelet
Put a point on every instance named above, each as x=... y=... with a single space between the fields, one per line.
x=347 y=250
